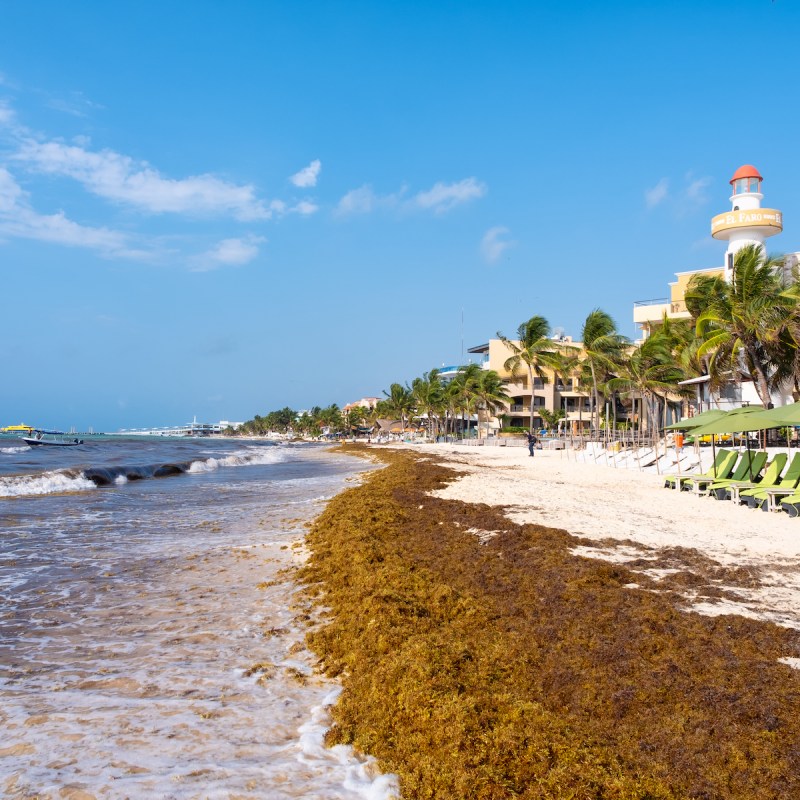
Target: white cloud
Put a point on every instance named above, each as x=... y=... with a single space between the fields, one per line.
x=120 y=178
x=308 y=175
x=696 y=190
x=358 y=201
x=19 y=220
x=657 y=194
x=6 y=115
x=229 y=253
x=10 y=192
x=277 y=207
x=76 y=104
x=124 y=180
x=442 y=197
x=493 y=245
x=305 y=207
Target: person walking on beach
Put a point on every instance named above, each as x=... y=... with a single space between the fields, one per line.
x=531 y=441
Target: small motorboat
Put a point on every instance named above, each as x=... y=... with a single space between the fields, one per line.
x=39 y=436
x=33 y=441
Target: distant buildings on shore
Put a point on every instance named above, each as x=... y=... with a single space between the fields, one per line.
x=747 y=223
x=193 y=428
x=551 y=393
x=368 y=403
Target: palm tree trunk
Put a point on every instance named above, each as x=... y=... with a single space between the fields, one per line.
x=614 y=412
x=530 y=378
x=762 y=386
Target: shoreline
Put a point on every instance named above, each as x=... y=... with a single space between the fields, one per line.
x=485 y=656
x=154 y=641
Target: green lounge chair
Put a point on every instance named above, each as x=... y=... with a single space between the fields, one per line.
x=771 y=478
x=675 y=481
x=791 y=505
x=699 y=483
x=767 y=498
x=747 y=470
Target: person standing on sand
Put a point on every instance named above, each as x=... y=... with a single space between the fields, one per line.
x=531 y=442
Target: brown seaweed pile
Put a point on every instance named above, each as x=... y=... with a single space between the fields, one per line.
x=503 y=666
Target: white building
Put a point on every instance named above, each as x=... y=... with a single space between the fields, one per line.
x=747 y=223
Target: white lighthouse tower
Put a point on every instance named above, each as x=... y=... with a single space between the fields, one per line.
x=747 y=222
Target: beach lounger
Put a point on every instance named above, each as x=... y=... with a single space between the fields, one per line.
x=749 y=467
x=699 y=483
x=771 y=478
x=767 y=498
x=674 y=481
x=791 y=505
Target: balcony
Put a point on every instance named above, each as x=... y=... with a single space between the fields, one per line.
x=517 y=408
x=651 y=310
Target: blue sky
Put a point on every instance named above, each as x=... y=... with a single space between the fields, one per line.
x=221 y=208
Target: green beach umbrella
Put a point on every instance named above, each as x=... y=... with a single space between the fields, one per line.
x=746 y=418
x=698 y=419
x=784 y=415
x=736 y=421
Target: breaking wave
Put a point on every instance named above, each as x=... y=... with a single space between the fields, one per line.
x=14 y=449
x=77 y=480
x=44 y=483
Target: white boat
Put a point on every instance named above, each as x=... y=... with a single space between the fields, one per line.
x=37 y=437
x=51 y=439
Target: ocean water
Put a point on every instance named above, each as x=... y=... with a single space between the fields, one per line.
x=151 y=637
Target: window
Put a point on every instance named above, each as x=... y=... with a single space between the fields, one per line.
x=746 y=185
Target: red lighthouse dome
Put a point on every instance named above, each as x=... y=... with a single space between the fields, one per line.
x=746 y=179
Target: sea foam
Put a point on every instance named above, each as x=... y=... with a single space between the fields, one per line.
x=43 y=483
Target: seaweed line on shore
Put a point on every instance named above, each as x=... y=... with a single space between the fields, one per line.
x=507 y=666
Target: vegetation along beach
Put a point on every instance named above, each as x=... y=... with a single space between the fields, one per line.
x=484 y=654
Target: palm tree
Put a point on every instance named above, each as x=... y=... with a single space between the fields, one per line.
x=651 y=371
x=565 y=362
x=744 y=322
x=331 y=418
x=399 y=402
x=460 y=393
x=603 y=348
x=551 y=418
x=490 y=394
x=533 y=349
x=354 y=419
x=427 y=394
x=451 y=397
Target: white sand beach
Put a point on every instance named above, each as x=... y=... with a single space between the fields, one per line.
x=637 y=518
